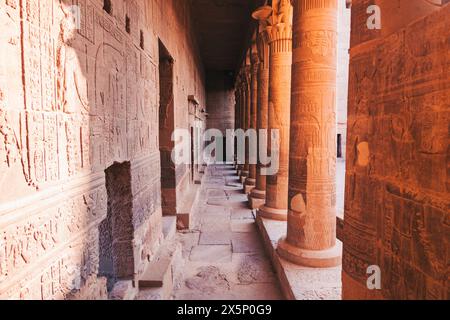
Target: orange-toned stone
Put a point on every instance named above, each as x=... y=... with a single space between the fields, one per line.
x=311 y=231
x=397 y=187
x=279 y=33
x=250 y=182
x=245 y=76
x=257 y=197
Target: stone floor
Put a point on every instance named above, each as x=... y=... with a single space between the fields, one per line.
x=224 y=254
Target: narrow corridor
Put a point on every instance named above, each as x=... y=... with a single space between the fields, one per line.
x=224 y=255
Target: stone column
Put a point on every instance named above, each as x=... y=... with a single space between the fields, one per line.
x=250 y=182
x=279 y=34
x=247 y=103
x=311 y=235
x=239 y=86
x=257 y=197
x=237 y=119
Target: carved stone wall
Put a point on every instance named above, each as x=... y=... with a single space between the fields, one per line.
x=73 y=102
x=220 y=101
x=398 y=187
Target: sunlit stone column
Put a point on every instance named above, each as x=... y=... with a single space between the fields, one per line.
x=311 y=235
x=279 y=33
x=250 y=182
x=257 y=197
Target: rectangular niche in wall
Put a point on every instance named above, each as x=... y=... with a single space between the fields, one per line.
x=116 y=231
x=339 y=145
x=166 y=129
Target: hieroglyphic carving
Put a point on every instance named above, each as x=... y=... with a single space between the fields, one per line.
x=396 y=192
x=86 y=19
x=63 y=276
x=27 y=241
x=312 y=175
x=13 y=141
x=32 y=66
x=80 y=99
x=279 y=37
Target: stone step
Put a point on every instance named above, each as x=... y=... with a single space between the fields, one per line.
x=185 y=216
x=157 y=273
x=163 y=273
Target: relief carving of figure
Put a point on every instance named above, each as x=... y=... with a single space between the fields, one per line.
x=285 y=12
x=319 y=42
x=67 y=65
x=10 y=142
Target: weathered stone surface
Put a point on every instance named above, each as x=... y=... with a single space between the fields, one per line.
x=211 y=253
x=312 y=159
x=247 y=225
x=262 y=118
x=246 y=243
x=87 y=114
x=72 y=103
x=215 y=272
x=188 y=240
x=255 y=269
x=215 y=238
x=397 y=190
x=215 y=210
x=279 y=37
x=298 y=282
x=208 y=280
x=241 y=213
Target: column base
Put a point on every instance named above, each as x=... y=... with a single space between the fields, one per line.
x=311 y=258
x=255 y=203
x=258 y=194
x=243 y=176
x=256 y=199
x=272 y=213
x=249 y=185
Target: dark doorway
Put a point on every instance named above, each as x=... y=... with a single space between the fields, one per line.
x=339 y=146
x=166 y=128
x=192 y=154
x=224 y=152
x=116 y=232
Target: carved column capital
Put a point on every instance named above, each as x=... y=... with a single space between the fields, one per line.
x=279 y=26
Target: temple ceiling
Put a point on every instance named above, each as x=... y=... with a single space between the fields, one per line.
x=223 y=29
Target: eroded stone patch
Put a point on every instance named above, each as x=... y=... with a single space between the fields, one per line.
x=254 y=269
x=208 y=280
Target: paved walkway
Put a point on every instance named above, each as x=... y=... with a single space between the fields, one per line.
x=224 y=255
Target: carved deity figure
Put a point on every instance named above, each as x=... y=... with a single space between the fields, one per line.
x=66 y=34
x=284 y=12
x=9 y=139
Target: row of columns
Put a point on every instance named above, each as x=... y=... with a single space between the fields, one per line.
x=288 y=84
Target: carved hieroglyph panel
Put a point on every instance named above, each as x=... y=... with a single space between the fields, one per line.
x=35 y=235
x=312 y=183
x=397 y=191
